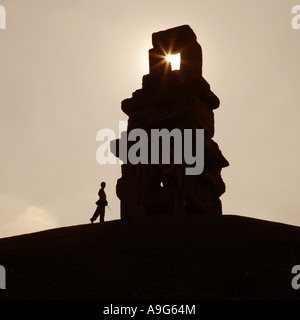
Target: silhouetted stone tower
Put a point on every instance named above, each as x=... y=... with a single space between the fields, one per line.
x=173 y=99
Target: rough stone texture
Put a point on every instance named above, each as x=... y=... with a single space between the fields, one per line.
x=172 y=99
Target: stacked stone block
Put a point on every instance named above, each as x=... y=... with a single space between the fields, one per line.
x=173 y=99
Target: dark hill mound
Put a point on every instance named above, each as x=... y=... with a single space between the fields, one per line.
x=163 y=257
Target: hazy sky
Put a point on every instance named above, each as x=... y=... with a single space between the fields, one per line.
x=66 y=65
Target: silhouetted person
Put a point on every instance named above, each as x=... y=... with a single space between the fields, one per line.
x=101 y=204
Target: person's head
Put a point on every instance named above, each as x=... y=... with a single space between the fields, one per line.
x=103 y=185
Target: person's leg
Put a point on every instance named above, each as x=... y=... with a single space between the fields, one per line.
x=95 y=215
x=102 y=217
x=102 y=213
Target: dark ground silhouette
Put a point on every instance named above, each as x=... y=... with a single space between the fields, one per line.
x=182 y=257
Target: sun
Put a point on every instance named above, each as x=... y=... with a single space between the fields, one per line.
x=175 y=61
